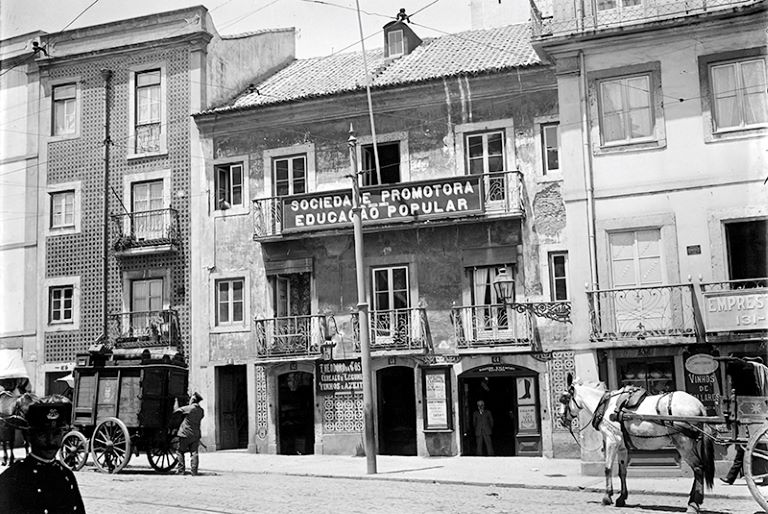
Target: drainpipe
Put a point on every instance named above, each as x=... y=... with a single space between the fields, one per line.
x=107 y=76
x=588 y=170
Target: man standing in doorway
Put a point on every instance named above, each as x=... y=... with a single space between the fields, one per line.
x=483 y=421
x=189 y=433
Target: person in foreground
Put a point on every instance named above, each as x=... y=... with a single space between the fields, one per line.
x=189 y=433
x=40 y=483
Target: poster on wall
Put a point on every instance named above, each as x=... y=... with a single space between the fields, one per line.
x=526 y=419
x=437 y=398
x=526 y=392
x=701 y=380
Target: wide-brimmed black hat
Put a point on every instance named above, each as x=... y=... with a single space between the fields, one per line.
x=196 y=398
x=47 y=413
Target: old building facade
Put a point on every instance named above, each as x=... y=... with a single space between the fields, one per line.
x=466 y=193
x=116 y=150
x=663 y=122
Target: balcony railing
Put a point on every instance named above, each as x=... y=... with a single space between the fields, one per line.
x=491 y=194
x=642 y=312
x=396 y=329
x=735 y=285
x=290 y=336
x=607 y=14
x=491 y=325
x=145 y=328
x=151 y=231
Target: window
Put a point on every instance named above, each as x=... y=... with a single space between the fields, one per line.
x=64 y=110
x=391 y=297
x=626 y=109
x=389 y=163
x=61 y=303
x=739 y=94
x=395 y=43
x=147 y=214
x=290 y=175
x=229 y=301
x=485 y=152
x=605 y=5
x=148 y=111
x=229 y=185
x=747 y=243
x=550 y=147
x=558 y=280
x=490 y=317
x=63 y=209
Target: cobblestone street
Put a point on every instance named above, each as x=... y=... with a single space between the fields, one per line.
x=142 y=491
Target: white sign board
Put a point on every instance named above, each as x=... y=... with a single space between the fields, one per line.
x=746 y=309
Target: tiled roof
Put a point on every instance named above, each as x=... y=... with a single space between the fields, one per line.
x=463 y=53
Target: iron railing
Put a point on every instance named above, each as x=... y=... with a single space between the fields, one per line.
x=735 y=285
x=144 y=328
x=291 y=336
x=578 y=17
x=145 y=228
x=642 y=312
x=502 y=193
x=491 y=325
x=396 y=329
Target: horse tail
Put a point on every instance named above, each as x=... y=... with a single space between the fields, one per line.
x=705 y=450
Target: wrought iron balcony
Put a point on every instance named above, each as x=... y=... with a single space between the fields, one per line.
x=467 y=196
x=145 y=328
x=396 y=330
x=291 y=336
x=642 y=313
x=491 y=325
x=735 y=285
x=573 y=19
x=146 y=232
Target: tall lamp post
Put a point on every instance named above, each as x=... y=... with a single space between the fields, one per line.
x=362 y=311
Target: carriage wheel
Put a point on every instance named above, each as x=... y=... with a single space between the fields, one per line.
x=111 y=446
x=162 y=458
x=74 y=450
x=756 y=466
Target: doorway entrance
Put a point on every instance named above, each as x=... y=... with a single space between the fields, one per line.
x=510 y=393
x=396 y=401
x=232 y=399
x=296 y=415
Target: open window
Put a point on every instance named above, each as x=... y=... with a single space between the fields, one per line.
x=389 y=163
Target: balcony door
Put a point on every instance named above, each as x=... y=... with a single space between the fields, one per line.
x=291 y=304
x=391 y=301
x=146 y=303
x=147 y=200
x=492 y=319
x=485 y=156
x=636 y=262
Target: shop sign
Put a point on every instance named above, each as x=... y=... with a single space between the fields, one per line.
x=437 y=399
x=701 y=381
x=526 y=419
x=383 y=204
x=496 y=368
x=736 y=310
x=339 y=376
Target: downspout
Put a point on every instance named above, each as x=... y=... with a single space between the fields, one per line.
x=588 y=169
x=107 y=76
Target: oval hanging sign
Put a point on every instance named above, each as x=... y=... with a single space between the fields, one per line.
x=701 y=364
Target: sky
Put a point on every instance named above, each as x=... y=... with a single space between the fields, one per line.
x=323 y=26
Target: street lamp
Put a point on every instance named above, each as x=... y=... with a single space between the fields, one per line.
x=504 y=285
x=362 y=311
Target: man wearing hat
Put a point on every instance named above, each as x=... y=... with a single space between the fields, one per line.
x=189 y=433
x=40 y=483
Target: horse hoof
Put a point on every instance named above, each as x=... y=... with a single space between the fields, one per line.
x=607 y=500
x=620 y=502
x=692 y=509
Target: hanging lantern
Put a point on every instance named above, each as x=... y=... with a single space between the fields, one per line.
x=504 y=285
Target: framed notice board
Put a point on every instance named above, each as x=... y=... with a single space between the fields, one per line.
x=437 y=398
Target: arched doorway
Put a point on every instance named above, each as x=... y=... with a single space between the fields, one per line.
x=396 y=401
x=510 y=393
x=296 y=414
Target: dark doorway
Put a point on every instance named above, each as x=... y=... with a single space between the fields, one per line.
x=231 y=389
x=747 y=243
x=296 y=415
x=396 y=400
x=389 y=163
x=498 y=393
x=53 y=384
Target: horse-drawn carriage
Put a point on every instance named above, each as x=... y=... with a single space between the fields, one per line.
x=629 y=419
x=123 y=404
x=14 y=381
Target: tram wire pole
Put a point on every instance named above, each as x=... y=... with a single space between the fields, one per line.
x=362 y=311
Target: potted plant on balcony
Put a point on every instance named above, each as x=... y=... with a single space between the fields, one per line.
x=123 y=242
x=155 y=328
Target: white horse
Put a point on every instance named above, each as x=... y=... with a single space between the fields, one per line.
x=694 y=446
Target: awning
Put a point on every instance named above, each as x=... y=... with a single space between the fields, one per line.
x=12 y=364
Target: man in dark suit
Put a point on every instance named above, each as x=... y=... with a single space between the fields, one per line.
x=483 y=421
x=40 y=483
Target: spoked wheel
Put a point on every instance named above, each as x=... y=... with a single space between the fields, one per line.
x=756 y=466
x=111 y=446
x=163 y=457
x=74 y=450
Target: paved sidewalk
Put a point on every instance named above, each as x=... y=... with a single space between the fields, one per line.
x=523 y=472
